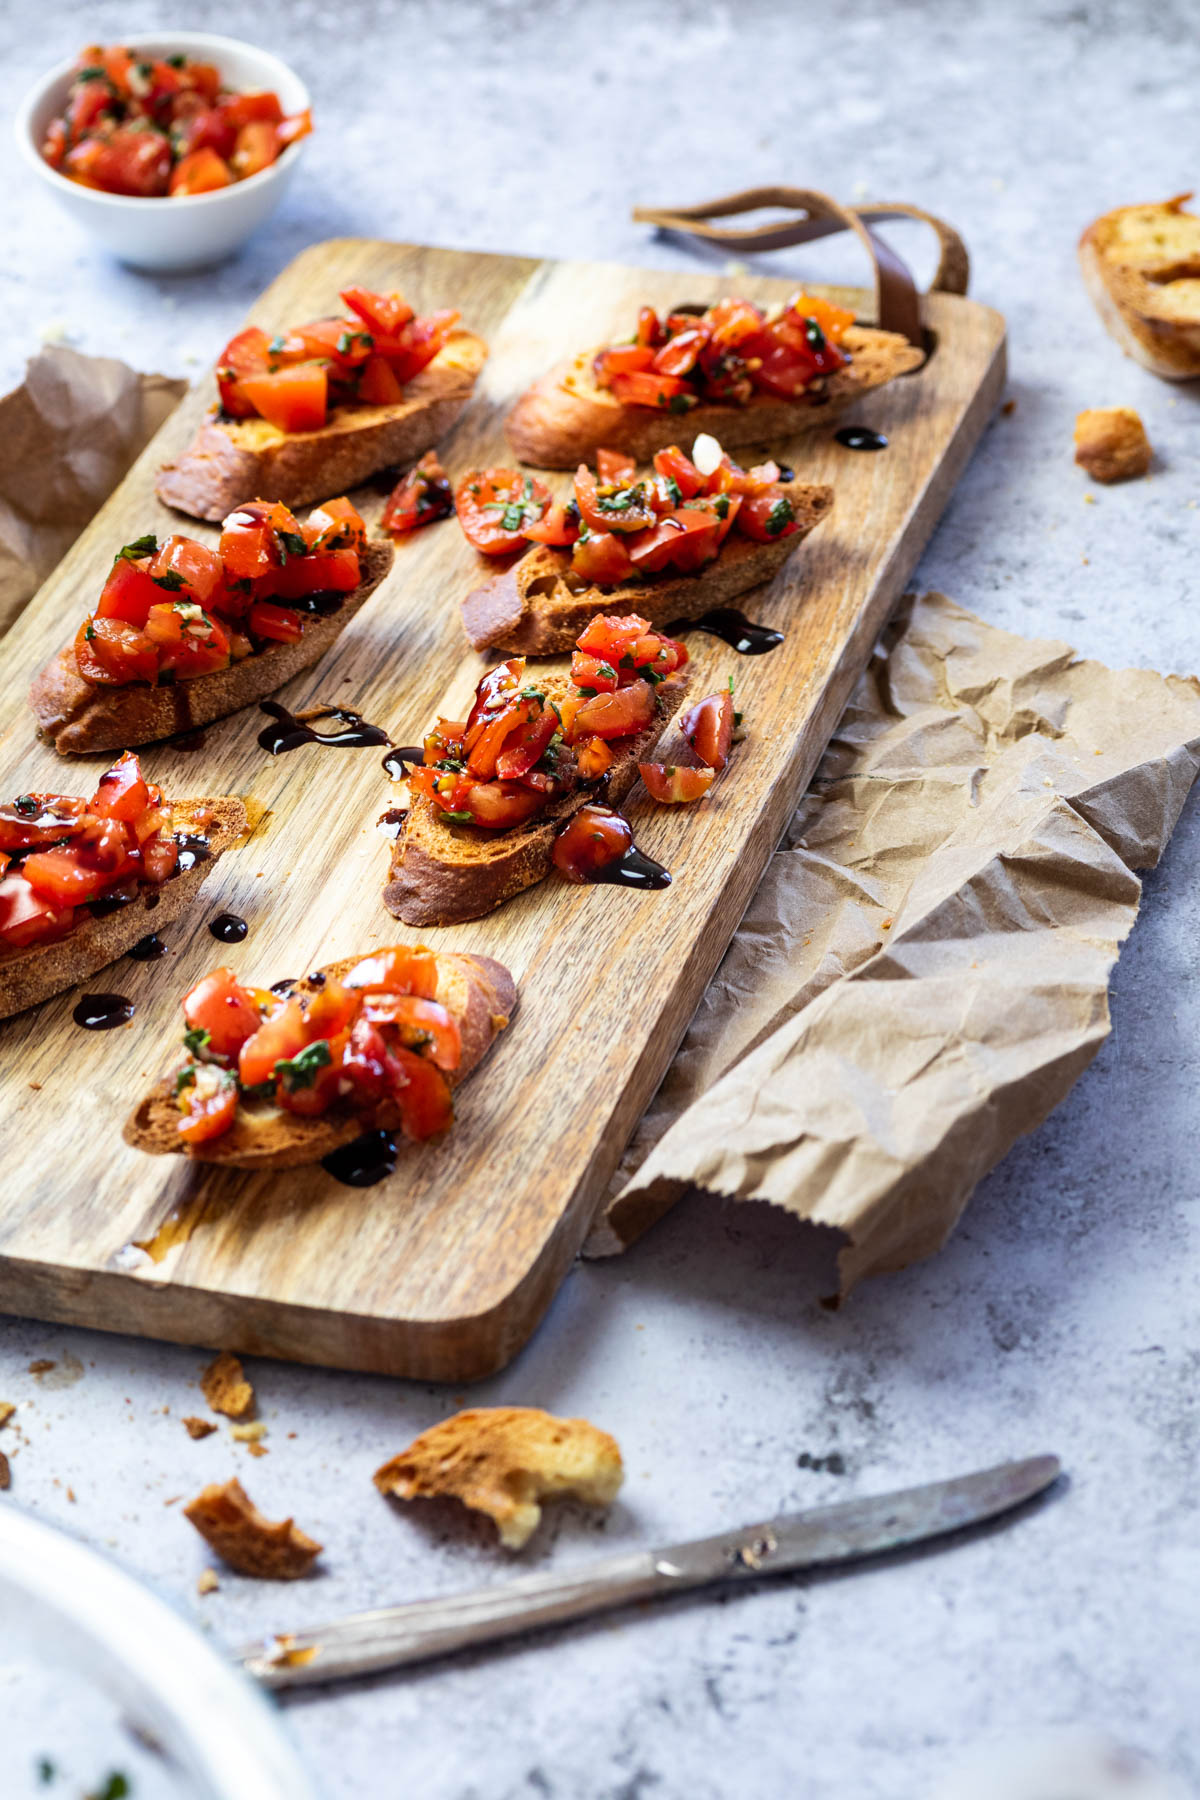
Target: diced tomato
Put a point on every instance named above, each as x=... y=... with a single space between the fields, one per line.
x=680 y=469
x=559 y=526
x=200 y=172
x=109 y=652
x=122 y=792
x=382 y=314
x=294 y=127
x=680 y=354
x=649 y=331
x=417 y=343
x=159 y=858
x=497 y=689
x=208 y=1115
x=593 y=758
x=63 y=878
x=39 y=819
x=622 y=359
x=188 y=639
x=336 y=525
x=130 y=590
x=667 y=393
x=422 y=1094
x=525 y=746
x=320 y=572
x=488 y=743
x=248 y=109
x=601 y=558
x=593 y=839
x=621 y=509
x=280 y=624
x=342 y=340
x=629 y=710
x=494 y=507
x=673 y=785
x=765 y=517
x=54 y=144
x=499 y=805
x=419 y=497
x=198 y=568
x=733 y=321
x=208 y=129
x=201 y=78
x=378 y=385
x=401 y=969
x=251 y=538
x=137 y=163
x=685 y=540
x=295 y=398
x=418 y=1023
x=246 y=354
x=612 y=634
x=594 y=672
x=276 y=1039
x=614 y=468
x=27 y=917
x=89 y=101
x=708 y=728
x=256 y=148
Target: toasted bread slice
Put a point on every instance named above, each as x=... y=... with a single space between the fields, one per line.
x=77 y=717
x=532 y=608
x=479 y=992
x=1141 y=266
x=29 y=976
x=232 y=458
x=504 y=1461
x=564 y=418
x=445 y=874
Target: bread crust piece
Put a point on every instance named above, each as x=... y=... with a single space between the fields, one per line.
x=477 y=990
x=77 y=717
x=227 y=1518
x=30 y=976
x=444 y=875
x=564 y=418
x=1111 y=444
x=530 y=609
x=504 y=1460
x=230 y=460
x=1141 y=267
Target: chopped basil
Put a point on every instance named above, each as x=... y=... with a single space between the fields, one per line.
x=115 y=1788
x=780 y=516
x=185 y=1078
x=145 y=70
x=654 y=676
x=607 y=670
x=532 y=693
x=89 y=631
x=173 y=581
x=47 y=1771
x=672 y=487
x=92 y=74
x=290 y=544
x=528 y=487
x=513 y=517
x=261 y=1090
x=26 y=805
x=681 y=403
x=459 y=818
x=588 y=692
x=178 y=61
x=301 y=1071
x=196 y=1041
x=453 y=765
x=143 y=546
x=277 y=344
x=815 y=335
x=722 y=506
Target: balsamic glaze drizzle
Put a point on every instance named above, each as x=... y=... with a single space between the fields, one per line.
x=733 y=628
x=391 y=823
x=633 y=869
x=285 y=986
x=366 y=1159
x=102 y=1012
x=860 y=437
x=228 y=928
x=397 y=761
x=149 y=948
x=289 y=733
x=192 y=850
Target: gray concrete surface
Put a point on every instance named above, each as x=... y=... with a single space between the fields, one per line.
x=1065 y=1314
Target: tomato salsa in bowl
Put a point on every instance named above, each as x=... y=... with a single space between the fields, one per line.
x=173 y=148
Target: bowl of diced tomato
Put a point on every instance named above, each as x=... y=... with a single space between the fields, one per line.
x=171 y=149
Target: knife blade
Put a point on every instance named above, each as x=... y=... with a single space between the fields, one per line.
x=391 y=1636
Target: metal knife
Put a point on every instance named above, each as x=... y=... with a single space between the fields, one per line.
x=366 y=1642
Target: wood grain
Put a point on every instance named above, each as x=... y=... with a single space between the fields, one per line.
x=444 y=1270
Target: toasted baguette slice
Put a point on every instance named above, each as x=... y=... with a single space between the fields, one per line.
x=445 y=874
x=32 y=975
x=531 y=608
x=77 y=717
x=232 y=458
x=564 y=418
x=479 y=992
x=1141 y=266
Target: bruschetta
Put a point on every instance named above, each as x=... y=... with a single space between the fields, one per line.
x=272 y=1080
x=494 y=792
x=686 y=536
x=319 y=408
x=183 y=634
x=735 y=371
x=82 y=880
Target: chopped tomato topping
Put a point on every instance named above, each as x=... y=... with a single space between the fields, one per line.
x=220 y=1006
x=122 y=792
x=109 y=652
x=419 y=497
x=294 y=398
x=708 y=728
x=201 y=171
x=27 y=917
x=672 y=784
x=494 y=507
x=279 y=624
x=593 y=839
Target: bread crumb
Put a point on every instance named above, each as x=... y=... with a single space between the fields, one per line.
x=7 y=1409
x=502 y=1461
x=228 y=1519
x=71 y=1495
x=1111 y=444
x=174 y=1500
x=225 y=1387
x=258 y=1450
x=206 y=1582
x=42 y=1366
x=198 y=1428
x=1009 y=408
x=5 y=1472
x=250 y=1432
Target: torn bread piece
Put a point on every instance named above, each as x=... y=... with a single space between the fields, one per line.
x=225 y=1387
x=1141 y=267
x=505 y=1460
x=228 y=1520
x=1111 y=444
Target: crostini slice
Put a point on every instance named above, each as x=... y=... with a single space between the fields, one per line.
x=181 y=636
x=494 y=793
x=1141 y=266
x=377 y=1042
x=322 y=407
x=84 y=881
x=711 y=370
x=733 y=528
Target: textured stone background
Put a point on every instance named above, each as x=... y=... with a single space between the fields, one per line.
x=1065 y=1314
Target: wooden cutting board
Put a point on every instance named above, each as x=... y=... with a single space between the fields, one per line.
x=443 y=1270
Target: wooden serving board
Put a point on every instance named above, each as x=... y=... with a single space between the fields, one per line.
x=444 y=1270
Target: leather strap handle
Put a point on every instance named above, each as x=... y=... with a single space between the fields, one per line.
x=897 y=302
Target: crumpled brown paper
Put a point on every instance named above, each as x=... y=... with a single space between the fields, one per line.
x=67 y=436
x=923 y=973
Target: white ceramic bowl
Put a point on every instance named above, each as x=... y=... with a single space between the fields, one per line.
x=195 y=229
